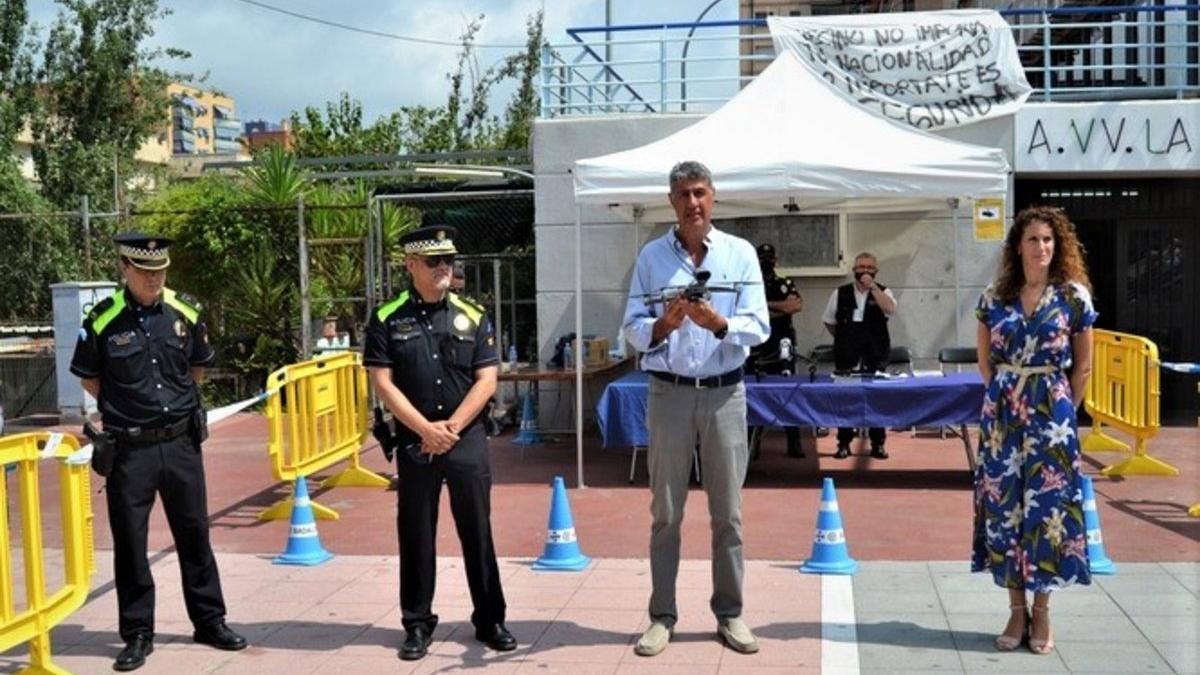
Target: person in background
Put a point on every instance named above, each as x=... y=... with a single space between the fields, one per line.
x=330 y=341
x=783 y=302
x=458 y=279
x=857 y=316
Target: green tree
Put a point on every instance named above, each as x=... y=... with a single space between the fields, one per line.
x=16 y=75
x=99 y=95
x=340 y=131
x=463 y=123
x=37 y=249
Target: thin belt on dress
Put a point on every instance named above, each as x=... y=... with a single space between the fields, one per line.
x=1024 y=372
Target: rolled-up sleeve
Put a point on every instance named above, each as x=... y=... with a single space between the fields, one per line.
x=750 y=323
x=640 y=316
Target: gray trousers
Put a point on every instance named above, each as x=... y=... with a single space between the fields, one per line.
x=677 y=417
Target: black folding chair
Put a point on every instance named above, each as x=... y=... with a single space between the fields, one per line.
x=958 y=357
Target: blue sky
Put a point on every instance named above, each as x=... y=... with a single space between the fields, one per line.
x=272 y=64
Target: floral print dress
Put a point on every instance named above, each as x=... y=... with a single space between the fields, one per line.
x=1029 y=528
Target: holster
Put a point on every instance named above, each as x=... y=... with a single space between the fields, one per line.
x=491 y=427
x=199 y=426
x=104 y=449
x=382 y=431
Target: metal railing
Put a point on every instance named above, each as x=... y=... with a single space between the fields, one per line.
x=1069 y=54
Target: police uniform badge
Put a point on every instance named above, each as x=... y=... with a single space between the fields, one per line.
x=180 y=328
x=121 y=339
x=783 y=287
x=462 y=323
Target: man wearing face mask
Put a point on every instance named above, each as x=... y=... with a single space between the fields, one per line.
x=857 y=316
x=783 y=301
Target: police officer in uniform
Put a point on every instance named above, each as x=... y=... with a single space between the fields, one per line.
x=783 y=300
x=433 y=363
x=857 y=316
x=141 y=353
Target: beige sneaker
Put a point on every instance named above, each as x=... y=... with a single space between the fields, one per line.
x=737 y=635
x=654 y=640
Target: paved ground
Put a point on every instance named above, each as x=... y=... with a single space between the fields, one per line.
x=910 y=617
x=898 y=613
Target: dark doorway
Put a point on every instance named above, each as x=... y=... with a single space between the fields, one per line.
x=1143 y=244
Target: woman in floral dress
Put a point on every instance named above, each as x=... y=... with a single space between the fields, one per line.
x=1035 y=352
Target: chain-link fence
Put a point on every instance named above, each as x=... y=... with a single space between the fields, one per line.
x=268 y=277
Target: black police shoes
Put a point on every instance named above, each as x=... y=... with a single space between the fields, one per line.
x=497 y=637
x=878 y=452
x=843 y=451
x=133 y=656
x=416 y=644
x=218 y=635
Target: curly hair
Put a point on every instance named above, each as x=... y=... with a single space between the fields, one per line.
x=1067 y=265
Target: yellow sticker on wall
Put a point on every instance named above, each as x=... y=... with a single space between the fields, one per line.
x=989 y=219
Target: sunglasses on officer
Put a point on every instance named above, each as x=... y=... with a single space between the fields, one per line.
x=432 y=261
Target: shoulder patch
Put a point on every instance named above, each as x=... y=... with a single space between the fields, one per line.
x=473 y=311
x=100 y=307
x=107 y=310
x=390 y=308
x=177 y=301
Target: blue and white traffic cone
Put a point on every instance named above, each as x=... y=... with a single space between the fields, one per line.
x=562 y=552
x=1098 y=561
x=303 y=544
x=829 y=552
x=528 y=434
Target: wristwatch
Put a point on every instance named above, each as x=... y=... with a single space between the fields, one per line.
x=720 y=334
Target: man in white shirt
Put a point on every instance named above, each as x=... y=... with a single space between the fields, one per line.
x=856 y=316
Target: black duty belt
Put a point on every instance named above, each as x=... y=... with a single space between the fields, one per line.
x=723 y=380
x=157 y=434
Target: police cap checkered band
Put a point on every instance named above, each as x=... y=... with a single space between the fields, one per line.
x=432 y=240
x=146 y=251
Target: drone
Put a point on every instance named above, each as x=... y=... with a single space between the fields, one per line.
x=697 y=291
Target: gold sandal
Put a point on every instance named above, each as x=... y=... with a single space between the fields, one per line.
x=1037 y=646
x=1007 y=643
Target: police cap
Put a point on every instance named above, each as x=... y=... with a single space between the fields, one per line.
x=431 y=240
x=144 y=251
x=766 y=251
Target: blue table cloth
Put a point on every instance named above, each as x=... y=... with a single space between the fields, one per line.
x=779 y=401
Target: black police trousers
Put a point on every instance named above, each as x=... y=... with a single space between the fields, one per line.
x=468 y=476
x=174 y=471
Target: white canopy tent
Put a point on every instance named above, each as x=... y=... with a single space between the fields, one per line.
x=787 y=143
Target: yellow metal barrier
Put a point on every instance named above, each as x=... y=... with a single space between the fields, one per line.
x=317 y=416
x=44 y=611
x=1124 y=393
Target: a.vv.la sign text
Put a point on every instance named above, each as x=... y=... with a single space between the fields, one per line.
x=1148 y=136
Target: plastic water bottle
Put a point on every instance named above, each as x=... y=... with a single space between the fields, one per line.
x=568 y=357
x=512 y=353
